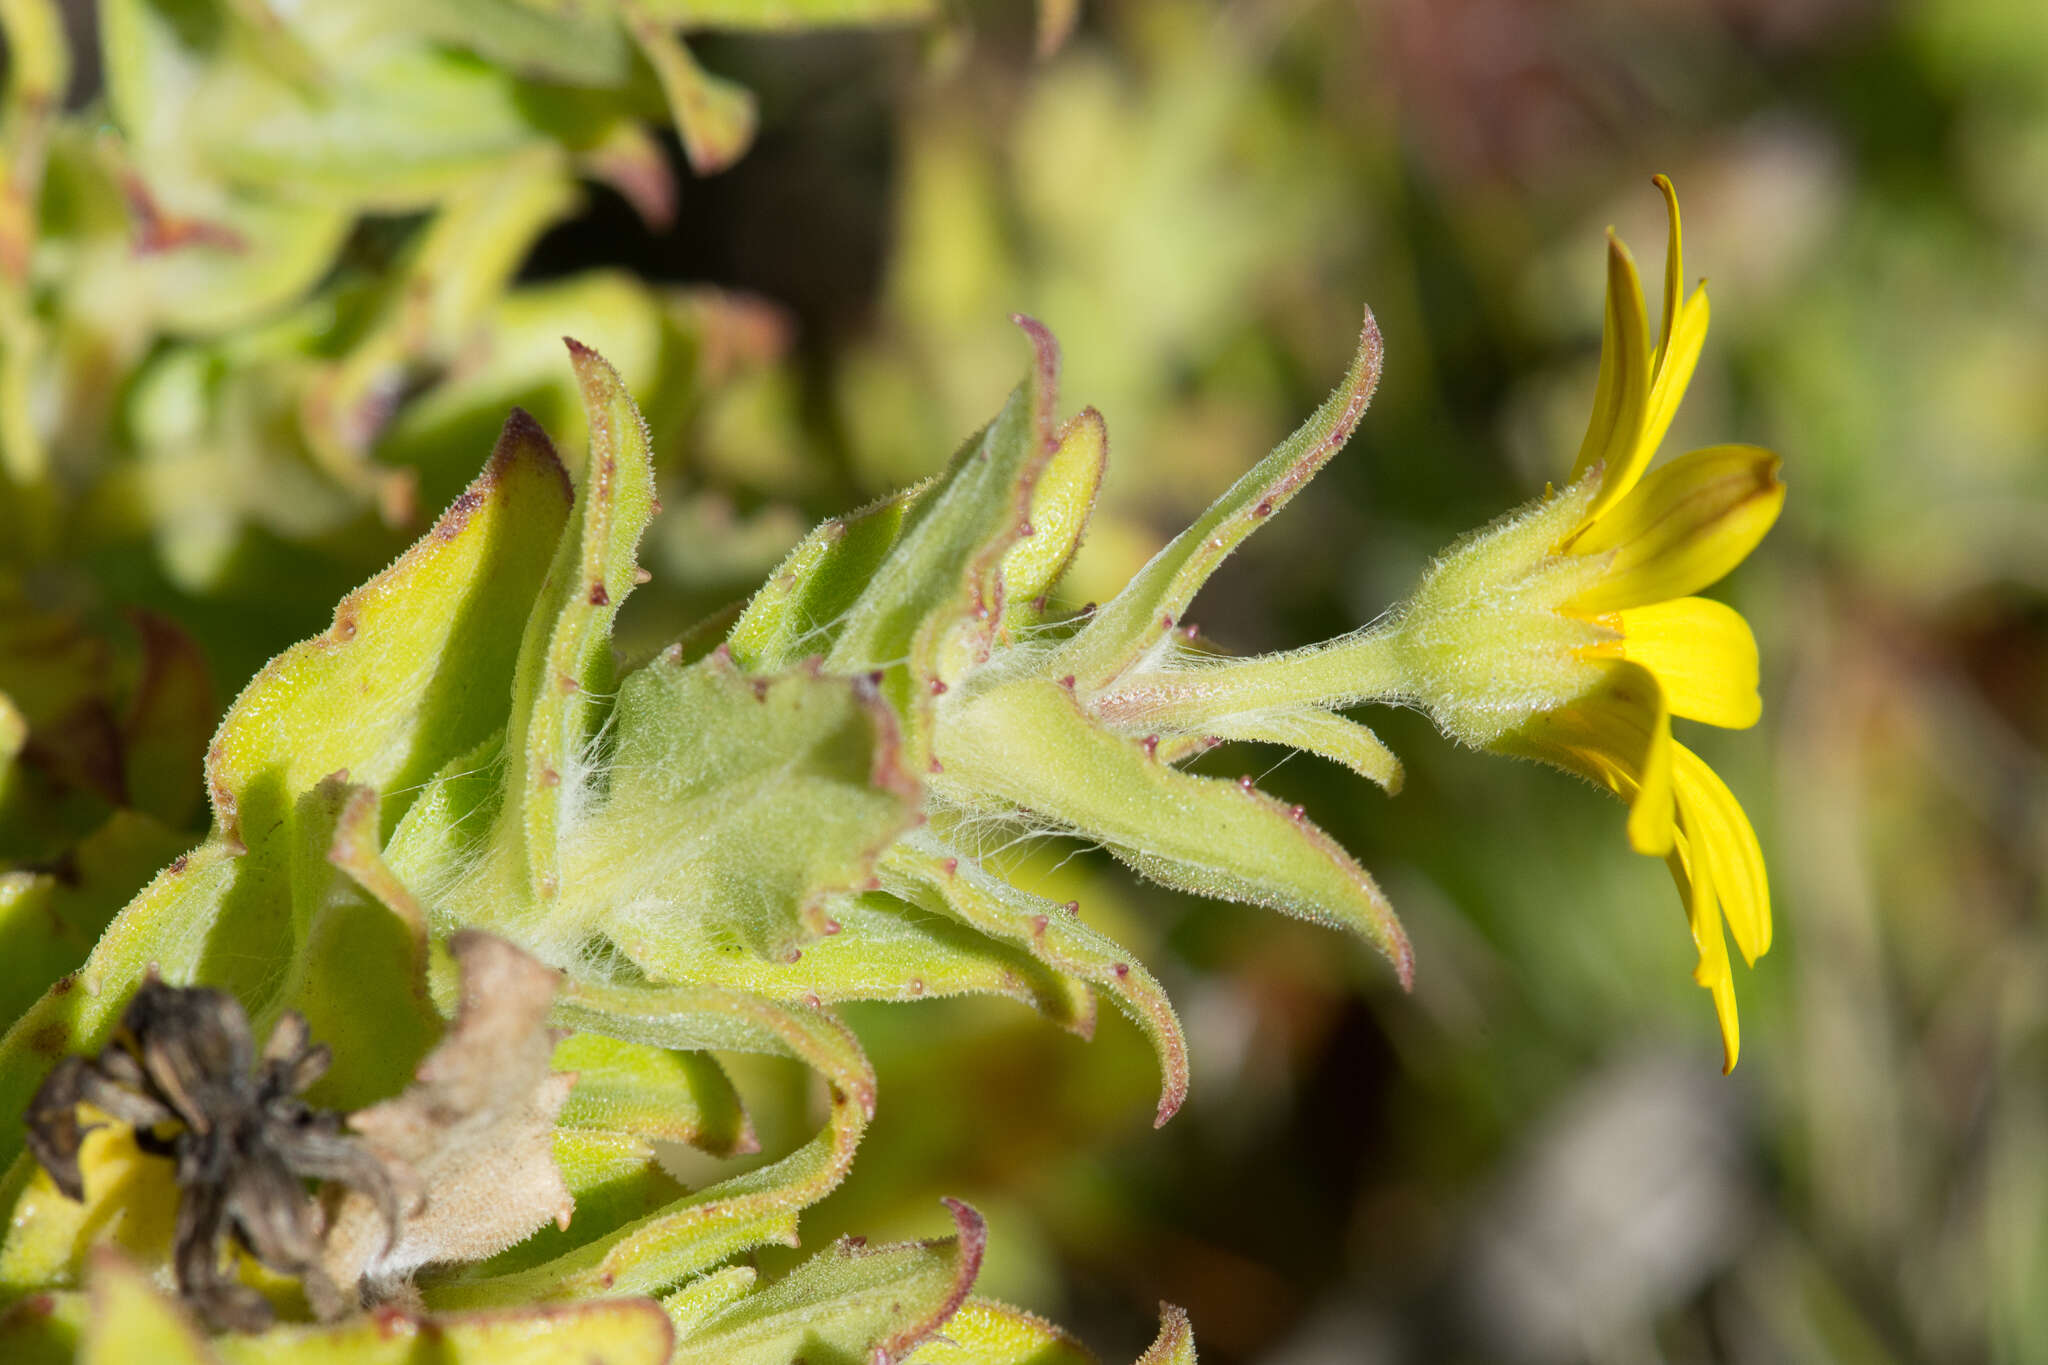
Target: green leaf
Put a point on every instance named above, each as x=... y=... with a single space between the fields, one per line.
x=926 y=872
x=572 y=43
x=1030 y=745
x=358 y=966
x=1175 y=1344
x=410 y=674
x=413 y=669
x=698 y=1231
x=852 y=1303
x=43 y=1329
x=799 y=610
x=652 y=1093
x=617 y=1331
x=1316 y=731
x=698 y=1300
x=788 y=14
x=1060 y=505
x=48 y=923
x=983 y=1332
x=129 y=1321
x=737 y=807
x=565 y=663
x=937 y=600
x=1153 y=602
x=167 y=926
x=715 y=118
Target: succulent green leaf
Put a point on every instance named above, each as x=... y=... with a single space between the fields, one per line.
x=1175 y=1344
x=653 y=1093
x=788 y=14
x=925 y=872
x=983 y=1332
x=129 y=1321
x=1316 y=731
x=1028 y=744
x=48 y=923
x=699 y=1300
x=412 y=670
x=797 y=612
x=617 y=1331
x=737 y=807
x=1138 y=619
x=1060 y=504
x=565 y=665
x=852 y=1302
x=714 y=117
x=935 y=606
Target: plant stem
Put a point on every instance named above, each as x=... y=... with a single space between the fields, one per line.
x=1360 y=667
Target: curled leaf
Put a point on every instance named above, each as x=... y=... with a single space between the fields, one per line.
x=475 y=1132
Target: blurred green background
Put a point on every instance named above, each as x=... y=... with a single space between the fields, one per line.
x=1533 y=1157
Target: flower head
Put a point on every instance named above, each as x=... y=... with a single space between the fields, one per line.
x=184 y=1073
x=1569 y=632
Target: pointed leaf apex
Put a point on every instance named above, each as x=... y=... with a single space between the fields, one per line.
x=1047 y=349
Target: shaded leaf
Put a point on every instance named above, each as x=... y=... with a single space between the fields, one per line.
x=983 y=1332
x=737 y=806
x=1155 y=601
x=701 y=1229
x=799 y=610
x=1030 y=744
x=565 y=661
x=615 y=1331
x=411 y=672
x=924 y=871
x=852 y=1302
x=129 y=1321
x=938 y=598
x=715 y=117
x=1175 y=1344
x=652 y=1093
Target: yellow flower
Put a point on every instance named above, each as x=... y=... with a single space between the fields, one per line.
x=1633 y=557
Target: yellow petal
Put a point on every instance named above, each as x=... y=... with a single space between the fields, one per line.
x=1731 y=1027
x=1618 y=735
x=1613 y=435
x=1722 y=838
x=1683 y=527
x=1671 y=368
x=1703 y=655
x=1674 y=261
x=1652 y=823
x=1696 y=885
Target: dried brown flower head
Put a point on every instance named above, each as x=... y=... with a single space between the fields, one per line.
x=182 y=1071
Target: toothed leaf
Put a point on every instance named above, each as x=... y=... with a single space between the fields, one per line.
x=565 y=660
x=1152 y=603
x=1029 y=744
x=856 y=1302
x=925 y=872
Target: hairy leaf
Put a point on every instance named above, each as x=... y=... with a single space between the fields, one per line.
x=852 y=1302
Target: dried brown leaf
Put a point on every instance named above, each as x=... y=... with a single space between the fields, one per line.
x=473 y=1137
